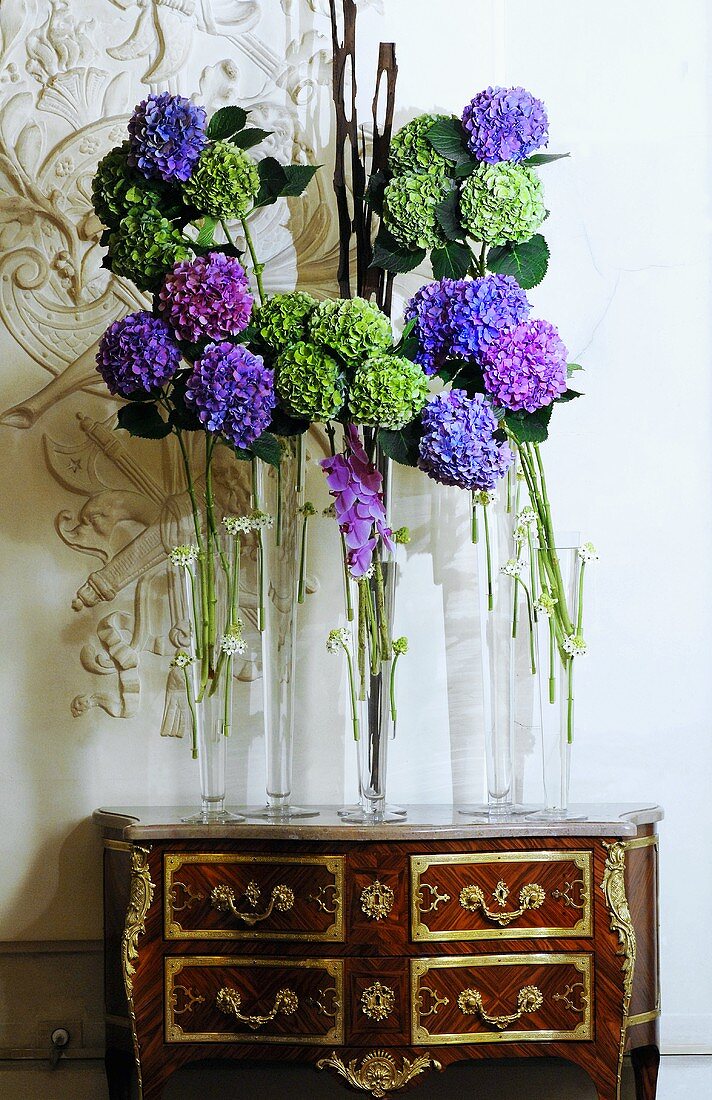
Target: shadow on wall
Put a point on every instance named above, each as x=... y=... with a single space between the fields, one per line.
x=550 y=1079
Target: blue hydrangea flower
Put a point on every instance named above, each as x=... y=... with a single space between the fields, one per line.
x=480 y=309
x=166 y=136
x=137 y=354
x=505 y=124
x=430 y=308
x=458 y=445
x=232 y=392
x=525 y=368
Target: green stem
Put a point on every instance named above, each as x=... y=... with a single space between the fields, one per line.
x=193 y=716
x=362 y=640
x=473 y=529
x=352 y=692
x=552 y=663
x=256 y=502
x=394 y=712
x=579 y=609
x=488 y=551
x=532 y=573
x=483 y=260
x=300 y=463
x=210 y=505
x=570 y=701
x=301 y=588
x=257 y=267
x=374 y=655
x=227 y=703
x=278 y=518
x=381 y=610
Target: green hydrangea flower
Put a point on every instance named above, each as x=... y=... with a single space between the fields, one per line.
x=144 y=247
x=224 y=182
x=387 y=391
x=117 y=189
x=409 y=206
x=282 y=319
x=502 y=202
x=309 y=382
x=351 y=327
x=410 y=150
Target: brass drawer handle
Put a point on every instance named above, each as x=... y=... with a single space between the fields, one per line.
x=529 y=999
x=531 y=896
x=229 y=1000
x=223 y=899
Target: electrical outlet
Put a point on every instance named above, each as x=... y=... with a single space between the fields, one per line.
x=46 y=1027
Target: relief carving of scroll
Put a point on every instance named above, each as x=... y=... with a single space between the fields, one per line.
x=69 y=74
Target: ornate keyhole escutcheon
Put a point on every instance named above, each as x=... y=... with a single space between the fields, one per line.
x=377 y=900
x=378 y=1001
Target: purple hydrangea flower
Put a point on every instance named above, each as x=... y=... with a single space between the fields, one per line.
x=232 y=392
x=430 y=307
x=137 y=354
x=208 y=296
x=357 y=488
x=166 y=136
x=505 y=124
x=460 y=317
x=458 y=445
x=525 y=368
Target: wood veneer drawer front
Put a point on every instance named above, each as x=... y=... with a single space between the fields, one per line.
x=502 y=998
x=501 y=895
x=221 y=999
x=225 y=896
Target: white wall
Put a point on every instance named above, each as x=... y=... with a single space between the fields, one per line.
x=627 y=88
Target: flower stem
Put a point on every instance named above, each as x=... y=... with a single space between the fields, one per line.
x=381 y=610
x=483 y=260
x=257 y=267
x=301 y=588
x=193 y=716
x=394 y=712
x=552 y=663
x=488 y=550
x=256 y=504
x=473 y=529
x=227 y=703
x=579 y=608
x=570 y=701
x=361 y=641
x=352 y=692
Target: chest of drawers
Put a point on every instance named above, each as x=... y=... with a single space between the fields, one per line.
x=381 y=954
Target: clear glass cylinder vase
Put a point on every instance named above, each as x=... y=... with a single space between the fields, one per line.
x=279 y=492
x=210 y=594
x=556 y=673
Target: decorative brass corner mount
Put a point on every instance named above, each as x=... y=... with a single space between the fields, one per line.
x=613 y=887
x=140 y=899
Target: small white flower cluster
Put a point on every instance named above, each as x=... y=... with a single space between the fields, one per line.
x=237 y=525
x=587 y=552
x=484 y=497
x=527 y=517
x=545 y=604
x=337 y=638
x=575 y=645
x=232 y=641
x=181 y=659
x=183 y=556
x=512 y=568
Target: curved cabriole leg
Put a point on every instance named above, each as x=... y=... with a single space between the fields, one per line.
x=646 y=1061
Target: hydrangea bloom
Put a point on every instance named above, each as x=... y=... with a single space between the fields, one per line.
x=117 y=188
x=502 y=202
x=144 y=247
x=208 y=296
x=459 y=317
x=357 y=488
x=505 y=124
x=387 y=391
x=232 y=392
x=526 y=366
x=282 y=319
x=458 y=445
x=224 y=182
x=409 y=205
x=351 y=327
x=410 y=150
x=309 y=382
x=137 y=354
x=166 y=136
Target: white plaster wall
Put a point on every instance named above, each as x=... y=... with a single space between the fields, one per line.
x=628 y=89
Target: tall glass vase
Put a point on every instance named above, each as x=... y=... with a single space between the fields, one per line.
x=556 y=675
x=281 y=548
x=210 y=588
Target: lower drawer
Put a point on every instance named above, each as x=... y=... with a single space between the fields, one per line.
x=216 y=999
x=502 y=998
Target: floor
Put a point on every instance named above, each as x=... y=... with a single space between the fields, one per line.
x=681 y=1078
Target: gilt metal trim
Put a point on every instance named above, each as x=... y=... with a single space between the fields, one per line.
x=613 y=887
x=529 y=999
x=229 y=1001
x=378 y=1072
x=140 y=899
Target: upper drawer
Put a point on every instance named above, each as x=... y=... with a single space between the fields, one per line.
x=500 y=895
x=224 y=896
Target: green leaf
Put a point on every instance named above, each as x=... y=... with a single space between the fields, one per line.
x=451 y=261
x=207 y=232
x=449 y=370
x=568 y=395
x=246 y=139
x=225 y=122
x=527 y=261
x=143 y=420
x=545 y=158
x=375 y=190
x=529 y=427
x=268 y=449
x=571 y=369
x=402 y=446
x=448 y=214
x=284 y=424
x=298 y=178
x=464 y=168
x=391 y=256
x=273 y=179
x=447 y=137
